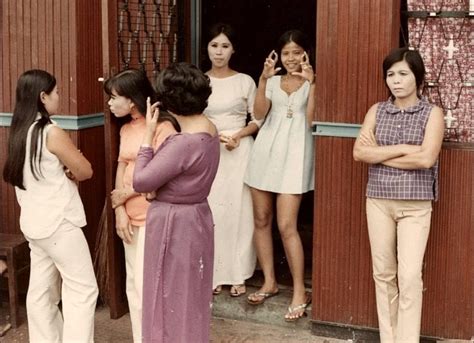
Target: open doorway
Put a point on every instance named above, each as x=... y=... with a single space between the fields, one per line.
x=259 y=25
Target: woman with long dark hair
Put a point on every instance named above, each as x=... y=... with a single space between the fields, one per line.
x=44 y=166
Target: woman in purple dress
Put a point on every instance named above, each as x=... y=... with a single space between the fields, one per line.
x=179 y=241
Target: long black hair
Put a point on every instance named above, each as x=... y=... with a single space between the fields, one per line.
x=135 y=85
x=28 y=108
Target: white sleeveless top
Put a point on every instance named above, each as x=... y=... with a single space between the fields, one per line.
x=52 y=199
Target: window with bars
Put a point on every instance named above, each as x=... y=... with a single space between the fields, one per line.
x=148 y=34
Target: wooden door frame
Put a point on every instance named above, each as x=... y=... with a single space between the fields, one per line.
x=116 y=292
x=117 y=299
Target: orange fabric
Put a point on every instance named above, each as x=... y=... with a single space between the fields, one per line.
x=131 y=137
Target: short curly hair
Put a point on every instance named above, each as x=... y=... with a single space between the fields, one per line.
x=183 y=89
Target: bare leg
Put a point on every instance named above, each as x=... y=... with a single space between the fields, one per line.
x=287 y=215
x=263 y=215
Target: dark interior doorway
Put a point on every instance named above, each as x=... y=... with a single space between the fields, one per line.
x=259 y=23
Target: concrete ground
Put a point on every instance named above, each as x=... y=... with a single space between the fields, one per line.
x=223 y=330
x=234 y=321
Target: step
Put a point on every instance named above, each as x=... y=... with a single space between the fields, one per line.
x=272 y=311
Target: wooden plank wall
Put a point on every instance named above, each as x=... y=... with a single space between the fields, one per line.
x=448 y=308
x=62 y=37
x=352 y=39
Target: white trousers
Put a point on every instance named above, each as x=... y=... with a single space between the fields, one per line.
x=64 y=255
x=398 y=233
x=134 y=254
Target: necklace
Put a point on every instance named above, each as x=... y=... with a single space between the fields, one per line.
x=290 y=88
x=289 y=109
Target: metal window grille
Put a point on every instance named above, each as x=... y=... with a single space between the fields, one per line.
x=147 y=34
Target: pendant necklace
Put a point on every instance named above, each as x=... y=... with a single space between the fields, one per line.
x=291 y=95
x=289 y=110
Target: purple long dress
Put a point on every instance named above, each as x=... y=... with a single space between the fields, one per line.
x=179 y=241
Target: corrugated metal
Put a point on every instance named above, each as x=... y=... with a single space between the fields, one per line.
x=448 y=309
x=343 y=289
x=353 y=37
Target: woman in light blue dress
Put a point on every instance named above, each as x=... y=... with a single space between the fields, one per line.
x=281 y=163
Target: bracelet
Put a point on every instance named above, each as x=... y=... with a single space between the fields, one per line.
x=145 y=145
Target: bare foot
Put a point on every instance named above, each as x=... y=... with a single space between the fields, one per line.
x=259 y=297
x=297 y=310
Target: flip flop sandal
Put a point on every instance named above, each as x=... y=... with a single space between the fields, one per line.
x=293 y=312
x=237 y=290
x=262 y=296
x=217 y=290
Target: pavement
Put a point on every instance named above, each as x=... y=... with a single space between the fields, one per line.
x=234 y=321
x=223 y=330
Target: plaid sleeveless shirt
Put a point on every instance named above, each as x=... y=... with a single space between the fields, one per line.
x=396 y=126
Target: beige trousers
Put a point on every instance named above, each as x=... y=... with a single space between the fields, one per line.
x=398 y=232
x=134 y=254
x=62 y=256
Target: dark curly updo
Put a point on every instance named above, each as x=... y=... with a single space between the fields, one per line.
x=183 y=89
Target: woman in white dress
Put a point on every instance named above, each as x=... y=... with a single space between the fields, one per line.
x=281 y=163
x=232 y=97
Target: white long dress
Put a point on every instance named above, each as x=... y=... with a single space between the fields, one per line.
x=230 y=199
x=282 y=157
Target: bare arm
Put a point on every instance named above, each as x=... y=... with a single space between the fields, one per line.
x=248 y=130
x=233 y=142
x=428 y=154
x=262 y=104
x=308 y=74
x=366 y=149
x=311 y=107
x=121 y=194
x=59 y=143
x=122 y=222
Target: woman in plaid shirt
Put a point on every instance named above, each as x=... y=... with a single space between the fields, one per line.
x=400 y=139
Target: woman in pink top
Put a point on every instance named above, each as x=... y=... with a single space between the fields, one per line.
x=128 y=92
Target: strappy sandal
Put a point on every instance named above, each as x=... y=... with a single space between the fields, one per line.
x=217 y=290
x=237 y=290
x=261 y=297
x=299 y=311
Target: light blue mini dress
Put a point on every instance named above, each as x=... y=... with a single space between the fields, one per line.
x=281 y=160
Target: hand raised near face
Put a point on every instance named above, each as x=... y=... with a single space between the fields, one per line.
x=306 y=69
x=269 y=69
x=152 y=115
